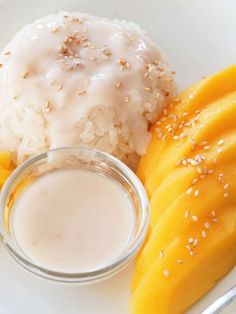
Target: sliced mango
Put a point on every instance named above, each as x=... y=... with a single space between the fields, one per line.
x=179 y=279
x=180 y=179
x=220 y=116
x=182 y=213
x=189 y=171
x=6 y=167
x=194 y=98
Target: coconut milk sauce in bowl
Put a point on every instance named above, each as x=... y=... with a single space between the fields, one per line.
x=74 y=215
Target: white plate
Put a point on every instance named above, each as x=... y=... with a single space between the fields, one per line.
x=199 y=38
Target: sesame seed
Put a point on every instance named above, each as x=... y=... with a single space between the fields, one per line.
x=196 y=193
x=47 y=107
x=190 y=96
x=207 y=147
x=1 y=65
x=59 y=87
x=195 y=181
x=123 y=63
x=193 y=144
x=145 y=74
x=226 y=186
x=176 y=99
x=203 y=234
x=195 y=242
x=189 y=191
x=82 y=92
x=219 y=150
x=161 y=69
x=165 y=112
x=203 y=157
x=221 y=142
x=166 y=272
x=193 y=162
x=106 y=52
x=188 y=124
x=190 y=240
x=207 y=225
x=157 y=95
x=127 y=98
x=182 y=135
x=7 y=53
x=173 y=72
x=185 y=114
x=175 y=137
x=179 y=261
x=215 y=220
x=184 y=162
x=202 y=143
x=15 y=97
x=118 y=84
x=191 y=253
x=203 y=176
x=25 y=74
x=54 y=29
x=199 y=170
x=187 y=214
x=226 y=195
x=213 y=213
x=84 y=38
x=188 y=247
x=195 y=218
x=164 y=137
x=210 y=171
x=148 y=89
x=221 y=178
x=161 y=75
x=162 y=255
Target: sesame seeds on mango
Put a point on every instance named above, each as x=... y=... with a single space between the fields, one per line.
x=189 y=172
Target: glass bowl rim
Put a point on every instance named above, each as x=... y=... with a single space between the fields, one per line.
x=88 y=276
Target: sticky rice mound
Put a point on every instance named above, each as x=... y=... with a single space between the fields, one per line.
x=72 y=79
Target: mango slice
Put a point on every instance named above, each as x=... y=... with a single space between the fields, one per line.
x=177 y=280
x=6 y=167
x=189 y=171
x=219 y=116
x=195 y=97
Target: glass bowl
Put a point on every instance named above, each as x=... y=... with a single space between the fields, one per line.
x=83 y=158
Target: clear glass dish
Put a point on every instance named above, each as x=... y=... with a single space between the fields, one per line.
x=83 y=158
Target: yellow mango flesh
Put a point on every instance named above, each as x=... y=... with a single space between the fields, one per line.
x=206 y=114
x=212 y=122
x=172 y=221
x=204 y=92
x=188 y=281
x=6 y=167
x=180 y=179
